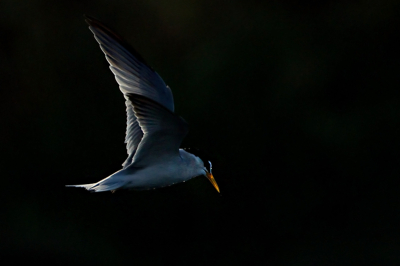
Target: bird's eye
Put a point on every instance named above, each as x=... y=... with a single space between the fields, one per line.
x=210 y=167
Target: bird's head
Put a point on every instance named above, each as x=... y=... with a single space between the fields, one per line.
x=203 y=163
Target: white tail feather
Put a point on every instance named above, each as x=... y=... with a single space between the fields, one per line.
x=100 y=187
x=87 y=186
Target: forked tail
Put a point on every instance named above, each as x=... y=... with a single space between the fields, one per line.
x=86 y=186
x=100 y=187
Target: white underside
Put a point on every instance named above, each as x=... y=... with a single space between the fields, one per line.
x=166 y=173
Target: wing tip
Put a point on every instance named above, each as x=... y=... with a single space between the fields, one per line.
x=92 y=21
x=96 y=24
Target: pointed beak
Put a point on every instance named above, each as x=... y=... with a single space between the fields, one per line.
x=212 y=180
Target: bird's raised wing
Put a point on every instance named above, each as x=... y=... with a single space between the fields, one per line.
x=163 y=131
x=134 y=76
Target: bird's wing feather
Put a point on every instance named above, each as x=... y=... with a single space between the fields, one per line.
x=133 y=135
x=163 y=131
x=134 y=76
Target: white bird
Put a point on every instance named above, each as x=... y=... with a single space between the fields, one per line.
x=154 y=133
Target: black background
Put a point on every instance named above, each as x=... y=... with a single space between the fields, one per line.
x=297 y=102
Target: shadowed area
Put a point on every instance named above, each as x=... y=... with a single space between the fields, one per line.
x=297 y=105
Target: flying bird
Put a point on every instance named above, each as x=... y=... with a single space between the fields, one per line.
x=154 y=132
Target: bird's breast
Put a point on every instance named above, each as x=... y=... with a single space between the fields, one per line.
x=158 y=175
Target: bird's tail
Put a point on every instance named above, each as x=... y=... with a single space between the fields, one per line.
x=100 y=186
x=110 y=183
x=86 y=186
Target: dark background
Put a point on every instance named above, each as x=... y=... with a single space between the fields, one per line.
x=297 y=102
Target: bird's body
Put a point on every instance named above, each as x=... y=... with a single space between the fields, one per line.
x=173 y=170
x=154 y=133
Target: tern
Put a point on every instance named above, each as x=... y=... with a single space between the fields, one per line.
x=154 y=132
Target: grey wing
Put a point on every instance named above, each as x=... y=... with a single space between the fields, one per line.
x=133 y=135
x=163 y=131
x=134 y=76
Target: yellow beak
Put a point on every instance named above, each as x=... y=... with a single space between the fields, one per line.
x=212 y=180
